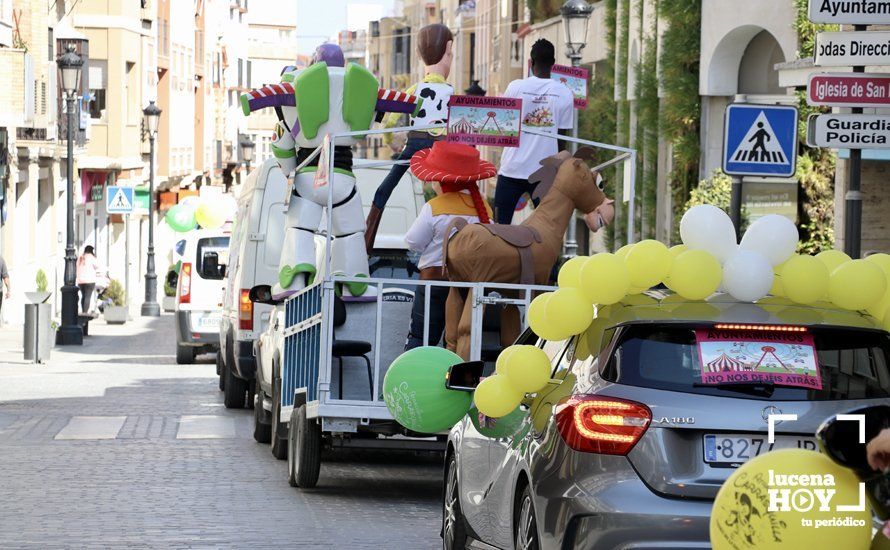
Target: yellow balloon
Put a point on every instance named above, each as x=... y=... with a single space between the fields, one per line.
x=678 y=249
x=526 y=367
x=569 y=312
x=744 y=516
x=882 y=261
x=537 y=318
x=496 y=397
x=805 y=279
x=695 y=275
x=832 y=259
x=604 y=279
x=502 y=359
x=879 y=308
x=633 y=290
x=582 y=349
x=778 y=288
x=649 y=262
x=624 y=251
x=208 y=217
x=856 y=285
x=570 y=272
x=887 y=321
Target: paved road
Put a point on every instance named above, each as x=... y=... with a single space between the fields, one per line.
x=114 y=445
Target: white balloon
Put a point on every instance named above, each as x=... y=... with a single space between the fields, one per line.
x=706 y=227
x=774 y=236
x=747 y=275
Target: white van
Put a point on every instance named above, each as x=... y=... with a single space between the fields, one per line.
x=254 y=252
x=199 y=293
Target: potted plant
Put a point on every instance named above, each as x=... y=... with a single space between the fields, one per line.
x=41 y=295
x=116 y=312
x=170 y=281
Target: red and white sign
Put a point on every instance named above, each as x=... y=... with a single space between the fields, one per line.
x=849 y=90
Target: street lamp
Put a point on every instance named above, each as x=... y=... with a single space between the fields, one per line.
x=70 y=333
x=576 y=18
x=150 y=308
x=247 y=149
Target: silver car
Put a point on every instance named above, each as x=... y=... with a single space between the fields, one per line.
x=629 y=444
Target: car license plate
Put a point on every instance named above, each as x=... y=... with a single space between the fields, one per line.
x=209 y=321
x=738 y=448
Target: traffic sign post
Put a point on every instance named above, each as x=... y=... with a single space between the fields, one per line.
x=758 y=140
x=119 y=200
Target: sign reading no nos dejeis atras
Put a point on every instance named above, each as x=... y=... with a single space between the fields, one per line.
x=850 y=12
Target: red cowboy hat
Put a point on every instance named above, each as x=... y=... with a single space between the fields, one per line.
x=448 y=162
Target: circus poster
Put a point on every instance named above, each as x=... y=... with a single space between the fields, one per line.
x=494 y=121
x=783 y=358
x=576 y=79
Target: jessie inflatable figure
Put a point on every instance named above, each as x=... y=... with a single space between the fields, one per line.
x=434 y=43
x=455 y=170
x=328 y=97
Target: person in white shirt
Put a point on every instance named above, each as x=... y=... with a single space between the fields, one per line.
x=547 y=106
x=454 y=169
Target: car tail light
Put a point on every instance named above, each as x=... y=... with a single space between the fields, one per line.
x=771 y=328
x=604 y=425
x=185 y=284
x=245 y=309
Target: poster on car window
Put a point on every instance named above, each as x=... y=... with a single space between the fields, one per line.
x=492 y=121
x=785 y=358
x=576 y=79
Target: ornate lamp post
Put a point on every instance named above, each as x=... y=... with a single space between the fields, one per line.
x=576 y=18
x=150 y=307
x=70 y=332
x=247 y=150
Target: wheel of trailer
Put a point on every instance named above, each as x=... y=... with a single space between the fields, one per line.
x=454 y=532
x=262 y=433
x=304 y=450
x=185 y=355
x=279 y=435
x=234 y=390
x=219 y=371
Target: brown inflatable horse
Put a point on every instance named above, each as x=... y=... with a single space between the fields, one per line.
x=522 y=254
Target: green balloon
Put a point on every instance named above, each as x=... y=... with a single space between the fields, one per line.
x=181 y=218
x=415 y=393
x=498 y=428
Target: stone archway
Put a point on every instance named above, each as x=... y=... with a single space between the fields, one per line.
x=746 y=54
x=757 y=72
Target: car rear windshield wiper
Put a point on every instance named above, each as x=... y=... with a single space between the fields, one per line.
x=763 y=388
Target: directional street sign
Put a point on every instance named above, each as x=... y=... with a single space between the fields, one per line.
x=855 y=12
x=843 y=49
x=849 y=131
x=849 y=90
x=760 y=140
x=118 y=200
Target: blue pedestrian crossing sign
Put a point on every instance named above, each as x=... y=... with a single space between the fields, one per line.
x=760 y=140
x=118 y=200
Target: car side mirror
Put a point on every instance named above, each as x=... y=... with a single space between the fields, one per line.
x=464 y=376
x=262 y=294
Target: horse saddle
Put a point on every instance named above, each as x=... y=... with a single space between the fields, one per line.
x=520 y=237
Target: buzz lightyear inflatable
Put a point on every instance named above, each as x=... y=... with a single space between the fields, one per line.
x=326 y=98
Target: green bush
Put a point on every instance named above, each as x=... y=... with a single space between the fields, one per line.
x=115 y=293
x=41 y=281
x=717 y=191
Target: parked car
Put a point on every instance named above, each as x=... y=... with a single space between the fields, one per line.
x=254 y=250
x=390 y=259
x=199 y=293
x=628 y=445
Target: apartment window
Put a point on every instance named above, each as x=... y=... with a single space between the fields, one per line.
x=240 y=72
x=247 y=83
x=375 y=28
x=130 y=93
x=49 y=51
x=98 y=72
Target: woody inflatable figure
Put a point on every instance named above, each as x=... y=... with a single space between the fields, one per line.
x=328 y=97
x=434 y=43
x=454 y=170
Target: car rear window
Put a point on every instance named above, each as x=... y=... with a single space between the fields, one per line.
x=852 y=363
x=395 y=264
x=207 y=247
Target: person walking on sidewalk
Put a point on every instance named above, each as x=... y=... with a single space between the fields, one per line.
x=547 y=106
x=4 y=276
x=87 y=276
x=434 y=44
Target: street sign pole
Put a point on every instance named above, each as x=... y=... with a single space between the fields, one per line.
x=853 y=204
x=735 y=205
